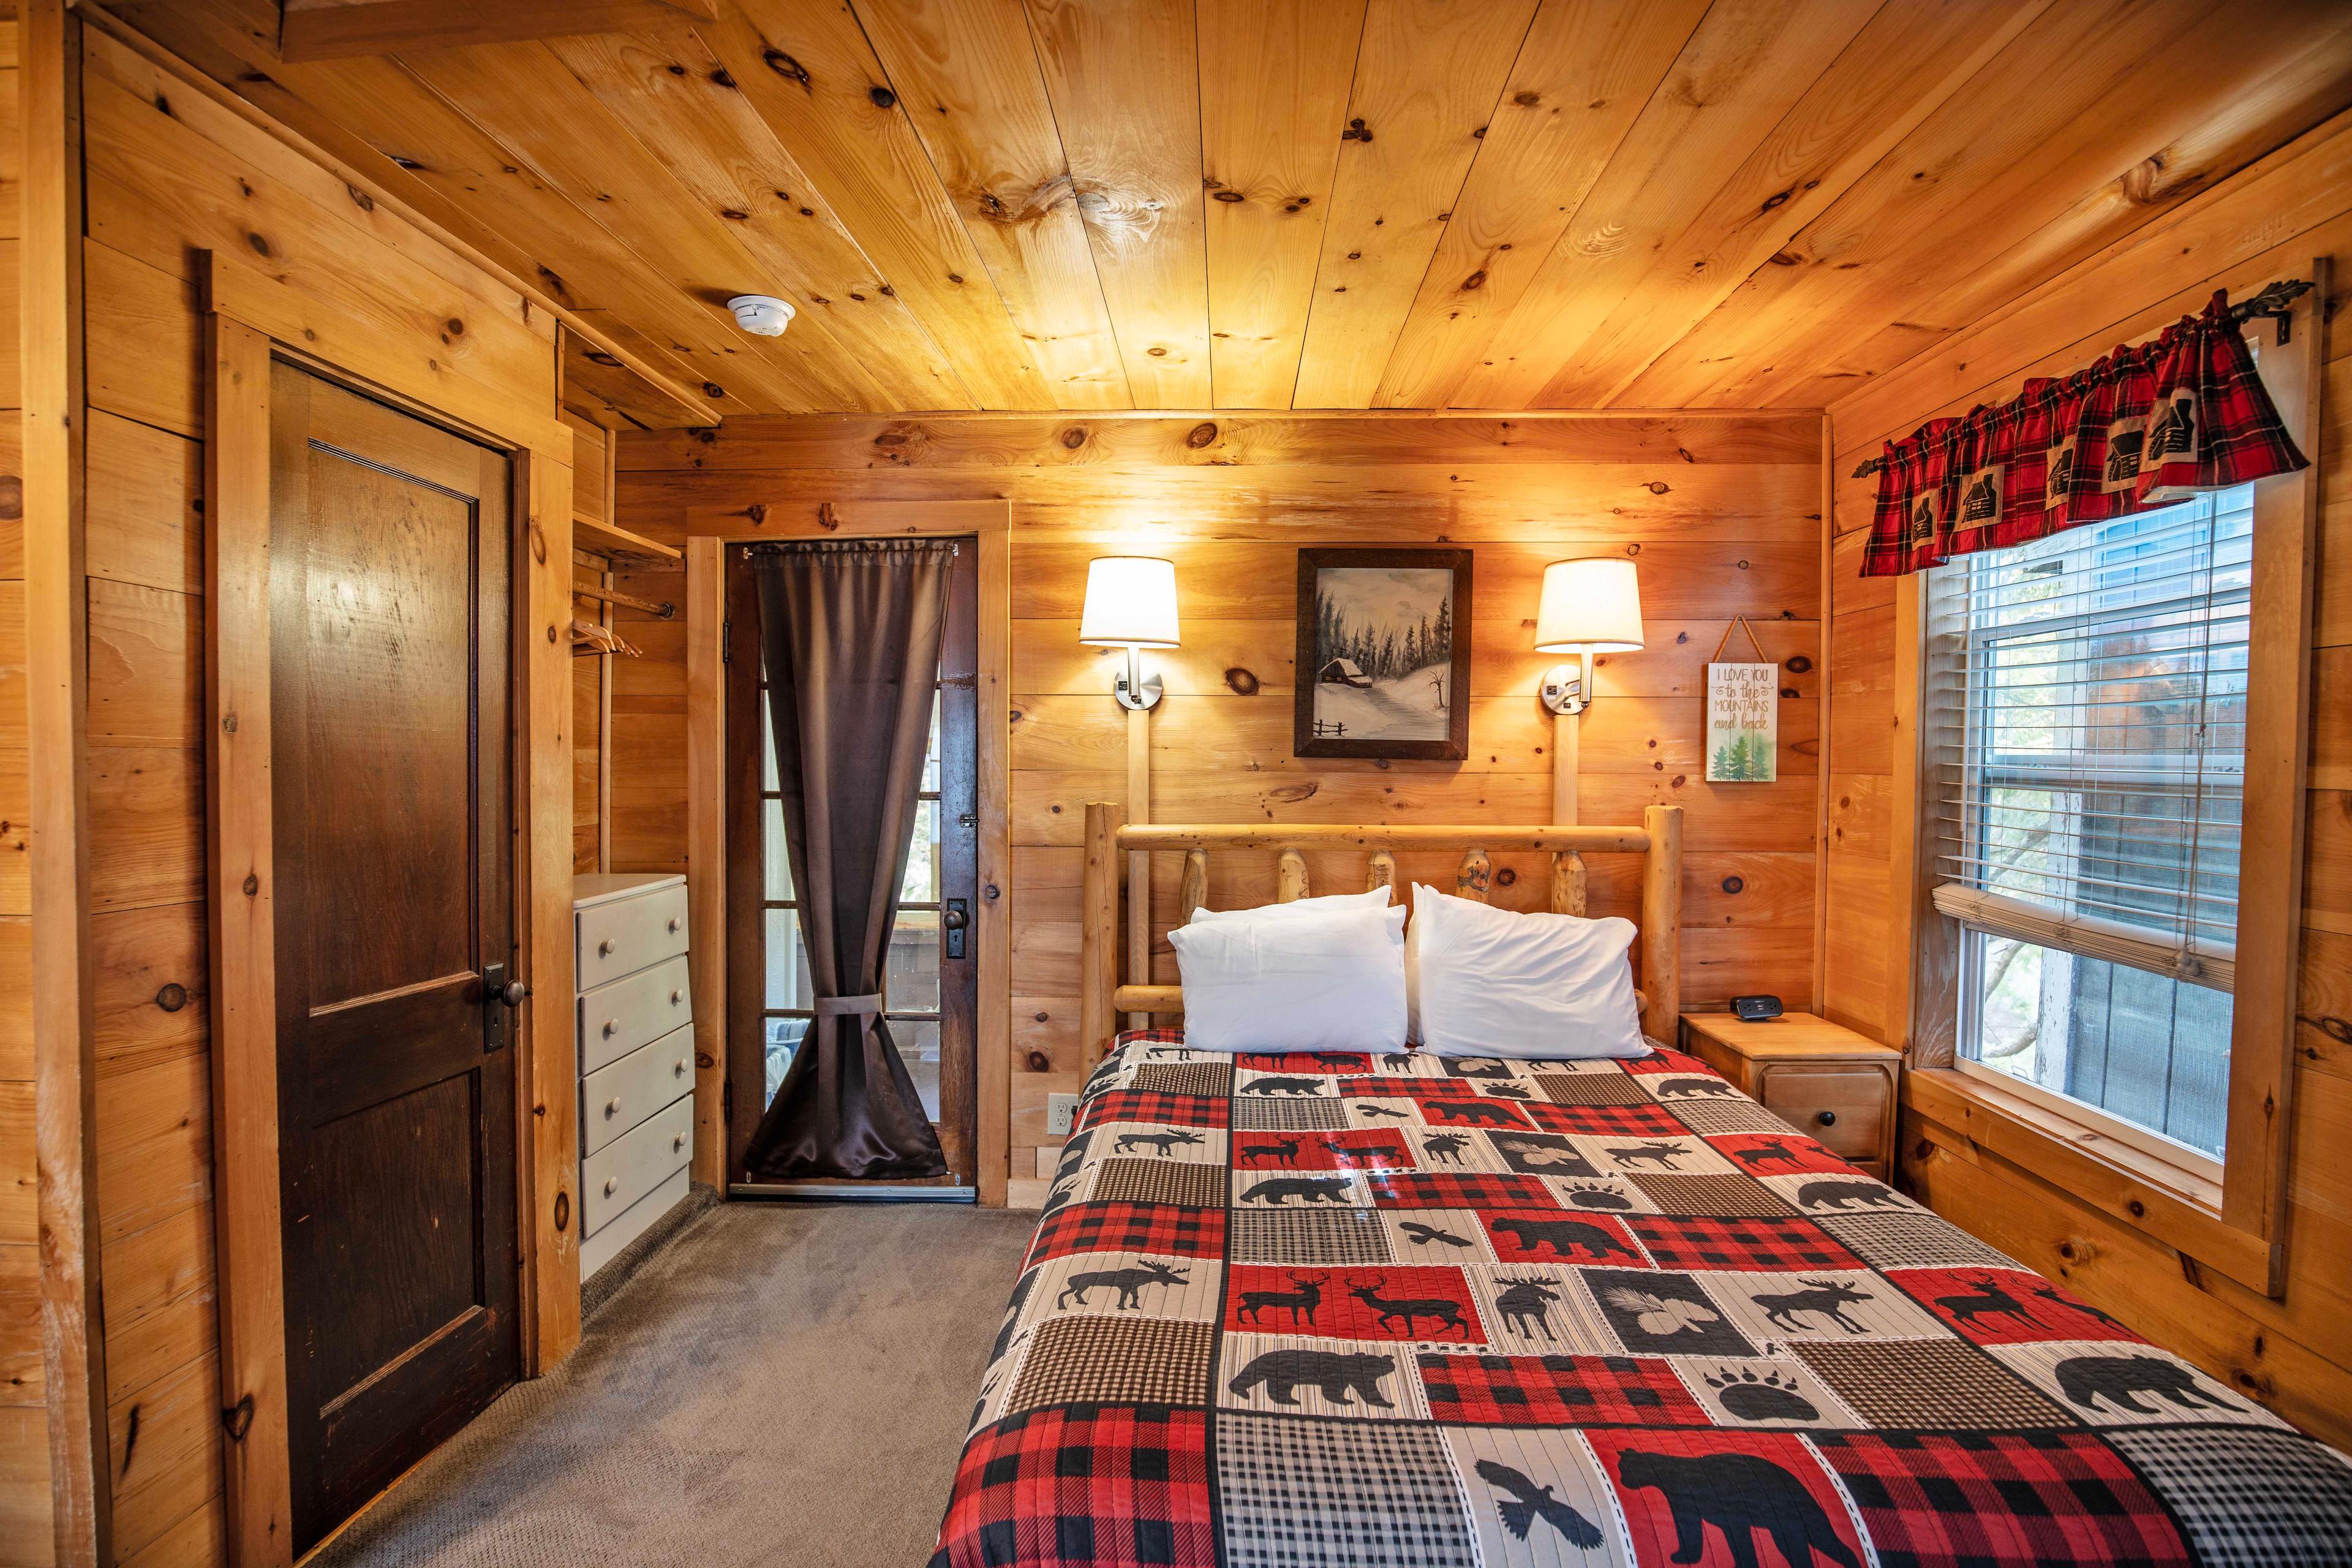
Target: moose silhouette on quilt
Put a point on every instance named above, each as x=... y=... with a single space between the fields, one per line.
x=1385 y=1309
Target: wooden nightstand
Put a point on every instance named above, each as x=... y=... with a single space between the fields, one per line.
x=1824 y=1081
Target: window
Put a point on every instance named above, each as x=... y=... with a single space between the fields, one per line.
x=2090 y=776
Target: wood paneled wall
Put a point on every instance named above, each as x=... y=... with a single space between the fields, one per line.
x=169 y=173
x=2265 y=223
x=25 y=1535
x=1722 y=513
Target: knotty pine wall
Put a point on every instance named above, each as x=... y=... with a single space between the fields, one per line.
x=24 y=1424
x=1723 y=515
x=2265 y=223
x=168 y=174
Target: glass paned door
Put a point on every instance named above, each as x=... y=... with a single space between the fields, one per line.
x=930 y=976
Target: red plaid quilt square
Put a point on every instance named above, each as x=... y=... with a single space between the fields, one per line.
x=1550 y=1236
x=1774 y=1153
x=1667 y=1062
x=1459 y=1190
x=1687 y=1494
x=1767 y=1246
x=2006 y=1306
x=1398 y=1303
x=1461 y=1109
x=1163 y=1228
x=1083 y=1487
x=1558 y=1390
x=1152 y=1106
x=1349 y=1149
x=1304 y=1061
x=1935 y=1501
x=1610 y=1121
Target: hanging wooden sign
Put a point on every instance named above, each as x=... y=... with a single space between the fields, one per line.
x=1743 y=715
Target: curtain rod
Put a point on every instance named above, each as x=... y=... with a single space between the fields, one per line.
x=606 y=595
x=2275 y=303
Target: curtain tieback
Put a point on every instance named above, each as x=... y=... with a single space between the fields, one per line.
x=843 y=1006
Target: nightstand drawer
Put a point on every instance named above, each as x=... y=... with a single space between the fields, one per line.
x=1845 y=1107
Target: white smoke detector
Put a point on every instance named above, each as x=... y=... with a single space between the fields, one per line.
x=762 y=315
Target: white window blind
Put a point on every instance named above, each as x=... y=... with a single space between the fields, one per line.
x=2087 y=699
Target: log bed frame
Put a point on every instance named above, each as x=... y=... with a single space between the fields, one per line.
x=1110 y=842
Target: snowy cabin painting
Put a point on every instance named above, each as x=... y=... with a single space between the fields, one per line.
x=1386 y=636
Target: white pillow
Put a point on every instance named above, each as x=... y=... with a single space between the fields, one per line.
x=1331 y=981
x=1484 y=982
x=1375 y=899
x=1314 y=909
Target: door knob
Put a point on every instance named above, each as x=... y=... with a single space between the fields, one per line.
x=513 y=992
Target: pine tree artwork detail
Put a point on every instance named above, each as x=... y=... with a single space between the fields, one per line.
x=1381 y=644
x=1743 y=723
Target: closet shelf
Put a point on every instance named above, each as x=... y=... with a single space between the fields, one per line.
x=634 y=550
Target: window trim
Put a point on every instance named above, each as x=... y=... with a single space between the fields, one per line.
x=2240 y=1233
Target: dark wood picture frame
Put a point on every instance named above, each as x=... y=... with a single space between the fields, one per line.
x=1305 y=740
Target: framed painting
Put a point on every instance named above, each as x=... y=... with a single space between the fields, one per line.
x=1383 y=663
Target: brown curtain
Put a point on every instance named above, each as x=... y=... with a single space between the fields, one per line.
x=850 y=632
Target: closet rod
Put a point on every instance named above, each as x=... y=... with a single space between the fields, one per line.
x=613 y=596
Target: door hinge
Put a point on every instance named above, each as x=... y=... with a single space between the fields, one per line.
x=727 y=642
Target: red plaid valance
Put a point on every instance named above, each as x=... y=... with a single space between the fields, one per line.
x=2147 y=426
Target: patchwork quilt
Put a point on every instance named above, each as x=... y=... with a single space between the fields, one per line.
x=1389 y=1310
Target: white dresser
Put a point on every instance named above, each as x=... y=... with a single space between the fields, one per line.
x=636 y=1056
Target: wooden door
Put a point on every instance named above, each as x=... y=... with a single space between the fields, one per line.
x=931 y=981
x=390 y=795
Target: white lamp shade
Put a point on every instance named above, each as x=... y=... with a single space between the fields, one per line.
x=1130 y=603
x=1589 y=606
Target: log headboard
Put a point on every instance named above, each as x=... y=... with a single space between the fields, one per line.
x=1112 y=847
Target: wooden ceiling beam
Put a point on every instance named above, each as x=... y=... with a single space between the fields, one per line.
x=341 y=29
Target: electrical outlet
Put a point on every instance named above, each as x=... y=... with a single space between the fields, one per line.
x=1059 y=1109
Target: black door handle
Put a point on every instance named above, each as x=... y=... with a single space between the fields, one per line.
x=500 y=997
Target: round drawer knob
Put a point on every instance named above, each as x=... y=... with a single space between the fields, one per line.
x=674 y=923
x=613 y=1107
x=675 y=998
x=679 y=1070
x=605 y=948
x=1827 y=1119
x=610 y=1183
x=678 y=1142
x=611 y=1027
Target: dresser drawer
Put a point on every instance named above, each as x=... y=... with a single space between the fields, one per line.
x=621 y=936
x=634 y=1164
x=618 y=1017
x=616 y=1098
x=1845 y=1107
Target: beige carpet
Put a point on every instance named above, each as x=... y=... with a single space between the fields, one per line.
x=784 y=1384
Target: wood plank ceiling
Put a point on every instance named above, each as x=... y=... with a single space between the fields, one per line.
x=1100 y=205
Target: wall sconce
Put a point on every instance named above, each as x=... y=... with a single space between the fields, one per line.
x=1130 y=603
x=1589 y=607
